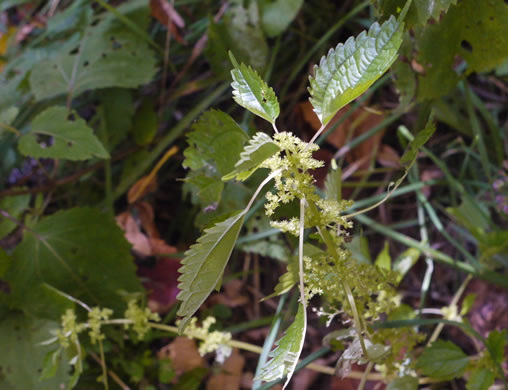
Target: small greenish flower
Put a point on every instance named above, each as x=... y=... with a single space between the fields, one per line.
x=95 y=318
x=69 y=333
x=140 y=318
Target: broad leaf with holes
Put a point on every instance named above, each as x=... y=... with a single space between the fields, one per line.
x=204 y=264
x=351 y=68
x=443 y=360
x=74 y=251
x=252 y=93
x=418 y=14
x=55 y=135
x=109 y=55
x=259 y=148
x=286 y=355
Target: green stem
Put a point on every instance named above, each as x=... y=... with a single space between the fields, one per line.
x=103 y=365
x=365 y=376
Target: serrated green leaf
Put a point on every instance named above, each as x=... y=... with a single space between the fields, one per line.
x=21 y=368
x=496 y=342
x=204 y=264
x=383 y=259
x=259 y=148
x=411 y=152
x=54 y=135
x=207 y=189
x=277 y=15
x=252 y=93
x=443 y=360
x=285 y=356
x=351 y=68
x=215 y=140
x=480 y=379
x=406 y=382
x=76 y=251
x=472 y=30
x=108 y=56
x=418 y=14
x=286 y=282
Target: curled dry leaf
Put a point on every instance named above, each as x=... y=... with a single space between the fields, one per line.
x=231 y=374
x=183 y=353
x=140 y=242
x=165 y=13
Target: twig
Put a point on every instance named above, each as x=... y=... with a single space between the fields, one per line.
x=111 y=373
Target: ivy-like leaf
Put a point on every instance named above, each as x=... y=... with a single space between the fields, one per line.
x=443 y=360
x=204 y=264
x=252 y=93
x=286 y=355
x=351 y=68
x=53 y=135
x=259 y=148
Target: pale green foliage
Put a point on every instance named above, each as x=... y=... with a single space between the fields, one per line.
x=63 y=138
x=443 y=360
x=252 y=93
x=351 y=68
x=108 y=56
x=259 y=148
x=407 y=382
x=276 y=15
x=285 y=356
x=204 y=264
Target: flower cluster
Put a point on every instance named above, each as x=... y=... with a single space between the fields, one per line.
x=294 y=160
x=211 y=341
x=69 y=333
x=95 y=318
x=140 y=318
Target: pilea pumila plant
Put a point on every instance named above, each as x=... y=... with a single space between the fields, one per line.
x=362 y=292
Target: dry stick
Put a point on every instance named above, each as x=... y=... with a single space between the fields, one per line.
x=111 y=373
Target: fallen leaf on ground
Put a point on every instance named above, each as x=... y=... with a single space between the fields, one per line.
x=231 y=374
x=183 y=353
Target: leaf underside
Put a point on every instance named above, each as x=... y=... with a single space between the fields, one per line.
x=259 y=148
x=252 y=93
x=204 y=264
x=285 y=356
x=351 y=68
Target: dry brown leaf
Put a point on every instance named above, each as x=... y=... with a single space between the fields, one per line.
x=146 y=216
x=183 y=353
x=388 y=157
x=142 y=187
x=232 y=296
x=429 y=174
x=359 y=122
x=165 y=13
x=133 y=234
x=161 y=248
x=231 y=374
